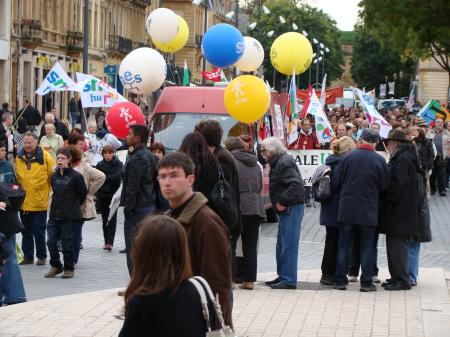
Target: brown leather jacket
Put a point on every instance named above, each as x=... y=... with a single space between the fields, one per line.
x=210 y=249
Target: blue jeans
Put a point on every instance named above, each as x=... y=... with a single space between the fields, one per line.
x=34 y=232
x=12 y=289
x=63 y=230
x=287 y=243
x=78 y=237
x=366 y=239
x=129 y=226
x=413 y=258
x=73 y=118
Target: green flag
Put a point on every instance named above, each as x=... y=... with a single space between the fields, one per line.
x=185 y=75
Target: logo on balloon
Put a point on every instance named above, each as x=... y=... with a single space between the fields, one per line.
x=129 y=119
x=237 y=90
x=128 y=80
x=240 y=47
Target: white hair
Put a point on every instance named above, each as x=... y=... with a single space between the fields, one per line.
x=273 y=145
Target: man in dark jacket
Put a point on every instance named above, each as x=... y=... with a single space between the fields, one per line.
x=138 y=193
x=208 y=237
x=361 y=176
x=286 y=193
x=31 y=114
x=69 y=192
x=398 y=220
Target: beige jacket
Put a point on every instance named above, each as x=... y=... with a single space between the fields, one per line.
x=445 y=142
x=94 y=179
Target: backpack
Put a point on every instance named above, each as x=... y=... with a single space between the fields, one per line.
x=321 y=185
x=223 y=200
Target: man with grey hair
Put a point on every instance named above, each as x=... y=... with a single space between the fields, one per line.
x=441 y=139
x=286 y=193
x=61 y=129
x=6 y=134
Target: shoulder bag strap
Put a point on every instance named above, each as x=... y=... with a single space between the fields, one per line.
x=214 y=300
x=204 y=301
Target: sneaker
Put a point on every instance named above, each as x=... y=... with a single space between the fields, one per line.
x=26 y=261
x=53 y=272
x=372 y=287
x=375 y=279
x=41 y=262
x=352 y=278
x=269 y=283
x=340 y=287
x=327 y=280
x=68 y=274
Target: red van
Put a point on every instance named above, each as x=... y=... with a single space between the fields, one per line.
x=179 y=109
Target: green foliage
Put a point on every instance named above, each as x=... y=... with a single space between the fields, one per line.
x=347 y=37
x=371 y=62
x=315 y=22
x=413 y=28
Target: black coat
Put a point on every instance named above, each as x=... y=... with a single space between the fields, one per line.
x=69 y=192
x=32 y=115
x=165 y=315
x=139 y=178
x=329 y=208
x=361 y=177
x=426 y=152
x=113 y=172
x=3 y=138
x=399 y=211
x=285 y=181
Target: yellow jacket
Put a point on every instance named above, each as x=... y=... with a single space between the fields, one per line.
x=35 y=179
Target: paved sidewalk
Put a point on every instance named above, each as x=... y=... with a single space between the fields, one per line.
x=311 y=310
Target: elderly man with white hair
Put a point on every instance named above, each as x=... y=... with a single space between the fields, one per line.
x=60 y=128
x=287 y=196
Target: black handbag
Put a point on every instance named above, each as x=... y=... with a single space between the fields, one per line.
x=223 y=201
x=15 y=195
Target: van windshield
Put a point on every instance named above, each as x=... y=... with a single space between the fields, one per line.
x=170 y=128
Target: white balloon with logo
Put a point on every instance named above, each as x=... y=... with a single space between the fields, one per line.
x=253 y=55
x=143 y=71
x=162 y=25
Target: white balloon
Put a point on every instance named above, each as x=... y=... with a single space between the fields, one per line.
x=162 y=25
x=143 y=71
x=253 y=55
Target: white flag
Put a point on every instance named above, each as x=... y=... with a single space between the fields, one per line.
x=96 y=93
x=56 y=80
x=323 y=92
x=372 y=115
x=411 y=98
x=324 y=131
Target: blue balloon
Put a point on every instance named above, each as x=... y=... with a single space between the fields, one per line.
x=223 y=45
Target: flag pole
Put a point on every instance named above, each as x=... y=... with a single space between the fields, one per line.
x=23 y=110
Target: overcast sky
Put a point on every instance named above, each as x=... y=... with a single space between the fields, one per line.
x=344 y=12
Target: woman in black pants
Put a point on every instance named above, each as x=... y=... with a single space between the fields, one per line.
x=329 y=211
x=252 y=207
x=111 y=166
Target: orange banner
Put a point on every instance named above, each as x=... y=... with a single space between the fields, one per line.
x=331 y=93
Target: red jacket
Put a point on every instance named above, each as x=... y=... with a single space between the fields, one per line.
x=305 y=142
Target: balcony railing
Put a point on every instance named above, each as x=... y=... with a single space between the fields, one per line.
x=31 y=33
x=74 y=42
x=137 y=44
x=140 y=3
x=120 y=44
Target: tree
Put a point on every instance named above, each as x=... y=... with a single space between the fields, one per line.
x=315 y=22
x=413 y=28
x=371 y=62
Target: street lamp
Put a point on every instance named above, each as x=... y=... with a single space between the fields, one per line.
x=305 y=34
x=317 y=70
x=310 y=67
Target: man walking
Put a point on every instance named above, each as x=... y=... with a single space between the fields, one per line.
x=441 y=139
x=361 y=176
x=34 y=167
x=398 y=219
x=208 y=236
x=287 y=196
x=73 y=111
x=138 y=193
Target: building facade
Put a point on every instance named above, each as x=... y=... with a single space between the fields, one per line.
x=46 y=31
x=5 y=53
x=433 y=82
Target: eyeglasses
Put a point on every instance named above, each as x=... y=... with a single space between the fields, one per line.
x=263 y=150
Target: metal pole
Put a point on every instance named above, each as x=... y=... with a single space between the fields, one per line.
x=323 y=65
x=85 y=54
x=317 y=69
x=205 y=28
x=309 y=73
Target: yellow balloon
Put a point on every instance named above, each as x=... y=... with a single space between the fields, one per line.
x=291 y=50
x=178 y=42
x=247 y=98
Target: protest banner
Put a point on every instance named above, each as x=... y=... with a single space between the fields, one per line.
x=309 y=160
x=56 y=80
x=433 y=110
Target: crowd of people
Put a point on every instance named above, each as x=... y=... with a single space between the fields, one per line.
x=210 y=195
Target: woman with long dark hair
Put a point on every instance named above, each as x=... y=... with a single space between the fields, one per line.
x=160 y=301
x=206 y=165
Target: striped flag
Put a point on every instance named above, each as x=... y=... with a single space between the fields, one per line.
x=293 y=108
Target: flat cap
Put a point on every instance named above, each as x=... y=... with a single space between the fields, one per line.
x=370 y=135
